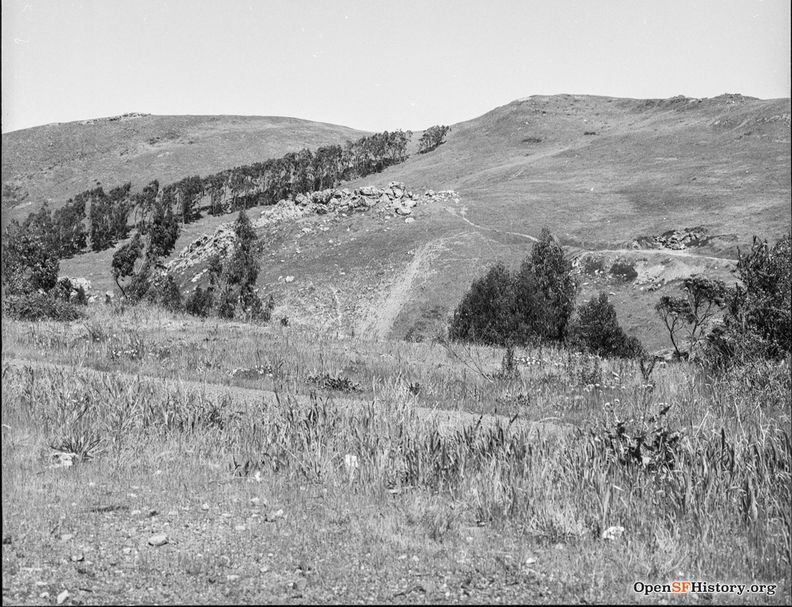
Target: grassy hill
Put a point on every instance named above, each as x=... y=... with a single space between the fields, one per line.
x=56 y=161
x=599 y=172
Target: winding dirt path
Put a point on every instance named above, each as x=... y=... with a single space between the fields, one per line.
x=447 y=420
x=577 y=251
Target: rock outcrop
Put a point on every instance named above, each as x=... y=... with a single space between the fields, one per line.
x=393 y=198
x=674 y=239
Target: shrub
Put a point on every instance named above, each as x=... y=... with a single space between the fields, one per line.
x=623 y=270
x=757 y=321
x=39 y=306
x=200 y=302
x=165 y=292
x=592 y=264
x=29 y=256
x=764 y=305
x=595 y=329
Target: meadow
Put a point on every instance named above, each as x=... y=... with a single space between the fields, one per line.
x=282 y=465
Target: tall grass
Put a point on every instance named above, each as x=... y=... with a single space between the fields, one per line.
x=696 y=469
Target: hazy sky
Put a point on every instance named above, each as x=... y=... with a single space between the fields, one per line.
x=374 y=64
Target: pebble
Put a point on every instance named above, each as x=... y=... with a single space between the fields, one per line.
x=76 y=558
x=205 y=507
x=158 y=540
x=232 y=577
x=239 y=527
x=44 y=595
x=63 y=596
x=66 y=537
x=275 y=515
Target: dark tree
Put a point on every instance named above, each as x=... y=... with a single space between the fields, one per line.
x=596 y=329
x=163 y=231
x=124 y=260
x=70 y=232
x=29 y=259
x=485 y=315
x=432 y=138
x=556 y=286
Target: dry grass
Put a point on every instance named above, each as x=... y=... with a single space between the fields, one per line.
x=710 y=502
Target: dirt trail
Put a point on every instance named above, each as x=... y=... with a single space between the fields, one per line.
x=577 y=251
x=448 y=421
x=383 y=315
x=461 y=215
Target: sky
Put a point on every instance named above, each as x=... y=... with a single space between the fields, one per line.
x=376 y=65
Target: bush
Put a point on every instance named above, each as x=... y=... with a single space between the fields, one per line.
x=165 y=292
x=200 y=302
x=623 y=270
x=39 y=306
x=757 y=321
x=29 y=256
x=595 y=329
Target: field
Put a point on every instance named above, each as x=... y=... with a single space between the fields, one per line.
x=283 y=464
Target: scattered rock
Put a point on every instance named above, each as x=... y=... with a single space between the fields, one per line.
x=612 y=533
x=158 y=540
x=275 y=515
x=394 y=199
x=299 y=584
x=63 y=459
x=674 y=239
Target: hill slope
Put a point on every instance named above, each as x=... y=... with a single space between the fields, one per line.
x=599 y=172
x=55 y=162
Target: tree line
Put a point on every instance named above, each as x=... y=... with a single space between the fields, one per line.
x=261 y=183
x=709 y=322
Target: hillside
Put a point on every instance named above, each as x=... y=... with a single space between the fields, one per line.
x=56 y=161
x=606 y=175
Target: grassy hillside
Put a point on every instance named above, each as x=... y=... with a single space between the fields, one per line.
x=56 y=161
x=599 y=172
